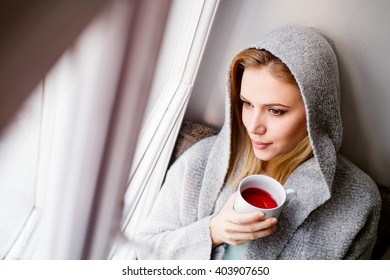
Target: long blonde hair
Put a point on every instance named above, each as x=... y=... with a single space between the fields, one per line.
x=241 y=146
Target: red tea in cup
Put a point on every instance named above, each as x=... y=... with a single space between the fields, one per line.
x=261 y=193
x=259 y=198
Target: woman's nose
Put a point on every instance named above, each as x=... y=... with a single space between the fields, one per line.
x=258 y=125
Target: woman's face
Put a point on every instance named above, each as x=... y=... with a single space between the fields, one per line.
x=273 y=113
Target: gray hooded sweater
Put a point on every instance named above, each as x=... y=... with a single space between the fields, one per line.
x=336 y=210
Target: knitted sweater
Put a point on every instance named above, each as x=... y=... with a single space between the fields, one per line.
x=335 y=212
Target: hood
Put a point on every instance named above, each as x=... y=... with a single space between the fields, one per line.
x=311 y=59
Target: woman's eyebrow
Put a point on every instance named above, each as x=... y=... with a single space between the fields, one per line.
x=266 y=105
x=243 y=98
x=277 y=104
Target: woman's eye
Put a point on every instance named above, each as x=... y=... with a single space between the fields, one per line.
x=246 y=104
x=276 y=112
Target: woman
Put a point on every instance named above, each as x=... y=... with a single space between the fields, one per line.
x=283 y=120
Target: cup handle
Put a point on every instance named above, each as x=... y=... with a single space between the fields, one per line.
x=290 y=195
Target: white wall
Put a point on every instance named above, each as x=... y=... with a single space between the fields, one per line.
x=362 y=39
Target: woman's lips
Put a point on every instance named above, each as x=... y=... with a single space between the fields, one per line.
x=260 y=145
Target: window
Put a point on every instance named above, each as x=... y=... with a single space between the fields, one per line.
x=83 y=123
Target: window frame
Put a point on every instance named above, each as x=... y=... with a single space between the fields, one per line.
x=161 y=127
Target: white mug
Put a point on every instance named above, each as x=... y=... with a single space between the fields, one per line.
x=271 y=187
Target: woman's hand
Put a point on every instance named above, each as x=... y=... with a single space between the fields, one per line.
x=236 y=228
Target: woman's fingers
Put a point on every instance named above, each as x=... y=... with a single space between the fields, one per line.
x=236 y=238
x=245 y=218
x=239 y=233
x=253 y=226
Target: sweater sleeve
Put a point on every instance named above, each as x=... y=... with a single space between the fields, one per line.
x=173 y=228
x=363 y=244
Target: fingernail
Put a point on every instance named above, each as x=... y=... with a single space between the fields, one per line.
x=274 y=221
x=260 y=215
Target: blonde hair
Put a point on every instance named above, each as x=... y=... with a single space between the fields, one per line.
x=241 y=146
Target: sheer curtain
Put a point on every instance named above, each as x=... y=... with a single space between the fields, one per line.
x=92 y=104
